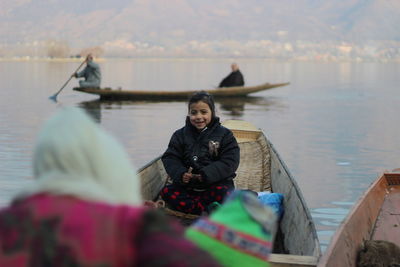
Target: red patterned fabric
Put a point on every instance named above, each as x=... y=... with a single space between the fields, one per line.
x=193 y=202
x=48 y=230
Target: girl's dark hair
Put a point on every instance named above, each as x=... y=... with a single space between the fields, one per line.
x=205 y=97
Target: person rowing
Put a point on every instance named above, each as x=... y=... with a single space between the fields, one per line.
x=91 y=73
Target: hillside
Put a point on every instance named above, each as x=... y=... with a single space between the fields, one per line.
x=186 y=24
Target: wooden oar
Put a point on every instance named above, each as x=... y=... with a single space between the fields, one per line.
x=54 y=97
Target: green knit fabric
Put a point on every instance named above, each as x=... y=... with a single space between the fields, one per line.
x=233 y=236
x=225 y=255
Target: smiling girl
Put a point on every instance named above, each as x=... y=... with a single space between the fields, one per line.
x=201 y=159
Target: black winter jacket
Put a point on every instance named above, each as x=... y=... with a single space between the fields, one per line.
x=213 y=153
x=235 y=78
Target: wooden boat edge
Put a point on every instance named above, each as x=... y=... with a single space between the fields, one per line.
x=289 y=260
x=362 y=216
x=303 y=207
x=108 y=93
x=247 y=132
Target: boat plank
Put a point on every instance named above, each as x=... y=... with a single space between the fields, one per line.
x=387 y=226
x=296 y=239
x=154 y=181
x=282 y=260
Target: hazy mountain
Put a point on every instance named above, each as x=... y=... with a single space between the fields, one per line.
x=168 y=23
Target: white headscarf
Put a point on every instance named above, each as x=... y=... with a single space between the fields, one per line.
x=74 y=156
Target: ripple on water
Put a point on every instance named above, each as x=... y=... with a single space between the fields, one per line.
x=329 y=219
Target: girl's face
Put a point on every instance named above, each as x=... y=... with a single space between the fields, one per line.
x=200 y=114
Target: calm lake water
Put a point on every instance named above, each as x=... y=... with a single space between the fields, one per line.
x=335 y=126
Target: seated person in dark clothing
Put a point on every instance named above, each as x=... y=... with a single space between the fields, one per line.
x=202 y=158
x=235 y=78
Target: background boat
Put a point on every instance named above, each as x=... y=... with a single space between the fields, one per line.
x=260 y=169
x=119 y=94
x=376 y=216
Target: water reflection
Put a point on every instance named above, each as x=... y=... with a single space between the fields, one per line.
x=93 y=108
x=329 y=126
x=234 y=107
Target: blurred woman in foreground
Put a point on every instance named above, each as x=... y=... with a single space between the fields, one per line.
x=84 y=207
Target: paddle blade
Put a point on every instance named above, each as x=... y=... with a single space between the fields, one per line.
x=53 y=97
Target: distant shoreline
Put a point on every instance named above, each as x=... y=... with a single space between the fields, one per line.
x=104 y=59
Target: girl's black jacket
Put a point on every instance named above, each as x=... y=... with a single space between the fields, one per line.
x=214 y=153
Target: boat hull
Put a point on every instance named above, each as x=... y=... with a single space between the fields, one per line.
x=116 y=94
x=376 y=216
x=260 y=169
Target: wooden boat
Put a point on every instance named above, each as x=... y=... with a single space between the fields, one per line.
x=261 y=169
x=376 y=216
x=116 y=94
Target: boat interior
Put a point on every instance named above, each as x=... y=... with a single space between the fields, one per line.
x=388 y=219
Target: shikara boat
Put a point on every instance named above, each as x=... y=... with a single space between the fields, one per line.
x=260 y=169
x=376 y=216
x=117 y=94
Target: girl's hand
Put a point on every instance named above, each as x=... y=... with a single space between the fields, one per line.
x=186 y=177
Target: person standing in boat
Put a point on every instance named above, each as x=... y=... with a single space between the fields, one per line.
x=201 y=159
x=84 y=207
x=91 y=73
x=235 y=78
